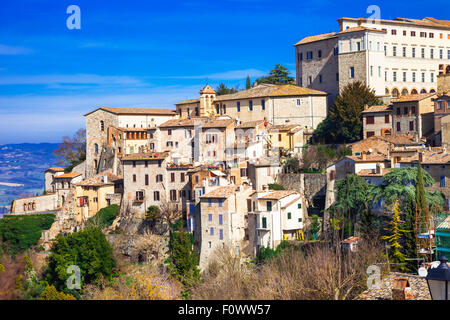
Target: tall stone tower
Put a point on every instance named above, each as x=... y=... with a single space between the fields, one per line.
x=207 y=96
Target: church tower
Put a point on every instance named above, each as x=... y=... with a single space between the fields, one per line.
x=207 y=96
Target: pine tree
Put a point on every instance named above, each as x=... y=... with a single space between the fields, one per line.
x=396 y=255
x=248 y=84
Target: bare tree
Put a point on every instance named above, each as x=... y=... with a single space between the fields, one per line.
x=72 y=150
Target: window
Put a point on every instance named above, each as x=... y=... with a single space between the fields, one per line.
x=413 y=33
x=358 y=46
x=404 y=32
x=96 y=148
x=243 y=172
x=411 y=126
x=220 y=202
x=309 y=80
x=224 y=108
x=238 y=106
x=398 y=111
x=269 y=205
x=156 y=195
x=404 y=76
x=279 y=137
x=146 y=179
x=393 y=32
x=299 y=205
x=413 y=77
x=172 y=177
x=169 y=144
x=140 y=195
x=370 y=120
x=394 y=51
x=221 y=234
x=413 y=52
x=263 y=104
x=423 y=76
x=423 y=34
x=431 y=53
x=320 y=53
x=352 y=72
x=298 y=102
x=398 y=126
x=209 y=215
x=300 y=56
x=404 y=51
x=442 y=181
x=182 y=176
x=385 y=50
x=441 y=54
x=405 y=110
x=134 y=178
x=413 y=110
x=102 y=125
x=337 y=76
x=379 y=71
x=309 y=55
x=370 y=134
x=394 y=76
x=431 y=35
x=220 y=219
x=211 y=231
x=134 y=164
x=423 y=52
x=264 y=223
x=432 y=77
x=169 y=132
x=217 y=109
x=173 y=195
x=196 y=111
x=250 y=105
x=386 y=119
x=289 y=215
x=320 y=78
x=159 y=178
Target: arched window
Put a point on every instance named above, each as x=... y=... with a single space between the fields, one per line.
x=24 y=207
x=96 y=148
x=423 y=91
x=404 y=92
x=386 y=91
x=432 y=91
x=102 y=125
x=395 y=92
x=414 y=91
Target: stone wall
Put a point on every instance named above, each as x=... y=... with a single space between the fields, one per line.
x=309 y=185
x=443 y=84
x=35 y=204
x=356 y=60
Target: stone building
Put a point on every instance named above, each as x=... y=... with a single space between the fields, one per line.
x=64 y=184
x=414 y=114
x=96 y=193
x=224 y=221
x=445 y=130
x=275 y=216
x=114 y=132
x=384 y=54
x=277 y=104
x=49 y=176
x=36 y=204
x=377 y=121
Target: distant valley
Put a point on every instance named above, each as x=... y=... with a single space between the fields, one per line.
x=22 y=170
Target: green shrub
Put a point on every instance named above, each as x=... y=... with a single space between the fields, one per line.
x=88 y=249
x=104 y=217
x=276 y=186
x=20 y=233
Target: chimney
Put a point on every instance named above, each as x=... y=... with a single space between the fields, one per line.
x=366 y=106
x=401 y=289
x=363 y=155
x=105 y=179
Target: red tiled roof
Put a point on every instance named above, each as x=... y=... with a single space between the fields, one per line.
x=315 y=38
x=137 y=111
x=378 y=109
x=279 y=194
x=68 y=175
x=221 y=192
x=56 y=169
x=413 y=97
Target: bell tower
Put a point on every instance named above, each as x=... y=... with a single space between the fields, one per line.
x=207 y=96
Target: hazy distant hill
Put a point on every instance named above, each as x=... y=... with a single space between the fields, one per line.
x=24 y=164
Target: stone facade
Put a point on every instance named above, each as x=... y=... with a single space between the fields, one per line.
x=377 y=121
x=35 y=204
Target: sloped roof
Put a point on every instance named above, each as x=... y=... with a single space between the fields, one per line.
x=360 y=28
x=145 y=156
x=279 y=194
x=221 y=192
x=55 y=169
x=381 y=108
x=186 y=122
x=433 y=156
x=68 y=175
x=413 y=97
x=318 y=37
x=207 y=90
x=136 y=111
x=249 y=124
x=98 y=180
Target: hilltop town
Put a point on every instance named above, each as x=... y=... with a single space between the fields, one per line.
x=233 y=167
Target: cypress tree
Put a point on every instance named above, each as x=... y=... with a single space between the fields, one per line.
x=421 y=202
x=248 y=84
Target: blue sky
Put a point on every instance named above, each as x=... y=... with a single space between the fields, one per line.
x=149 y=53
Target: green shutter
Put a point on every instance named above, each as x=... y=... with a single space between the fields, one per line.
x=289 y=215
x=299 y=205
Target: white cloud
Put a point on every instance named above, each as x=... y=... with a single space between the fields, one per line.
x=61 y=79
x=228 y=75
x=12 y=50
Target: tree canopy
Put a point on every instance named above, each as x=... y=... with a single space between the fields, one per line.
x=278 y=75
x=223 y=89
x=72 y=150
x=344 y=122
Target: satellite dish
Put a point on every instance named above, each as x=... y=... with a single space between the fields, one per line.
x=423 y=272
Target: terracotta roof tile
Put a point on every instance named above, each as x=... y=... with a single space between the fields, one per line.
x=98 y=180
x=183 y=122
x=56 y=169
x=68 y=175
x=361 y=28
x=145 y=156
x=221 y=192
x=373 y=172
x=378 y=109
x=433 y=156
x=250 y=124
x=413 y=97
x=137 y=111
x=188 y=101
x=279 y=194
x=318 y=37
x=207 y=90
